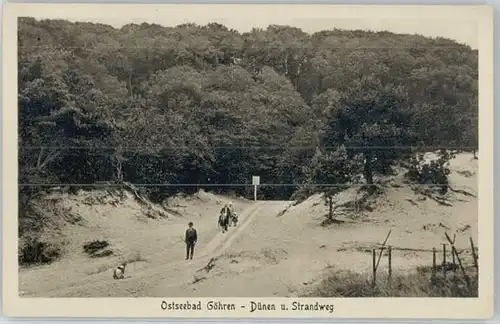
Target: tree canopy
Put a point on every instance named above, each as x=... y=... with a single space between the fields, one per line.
x=191 y=104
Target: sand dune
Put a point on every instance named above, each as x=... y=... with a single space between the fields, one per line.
x=278 y=248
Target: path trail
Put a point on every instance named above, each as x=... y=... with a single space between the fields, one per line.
x=175 y=273
x=269 y=253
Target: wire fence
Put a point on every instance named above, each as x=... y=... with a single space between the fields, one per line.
x=247 y=147
x=455 y=265
x=215 y=185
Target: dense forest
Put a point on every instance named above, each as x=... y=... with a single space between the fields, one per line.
x=193 y=105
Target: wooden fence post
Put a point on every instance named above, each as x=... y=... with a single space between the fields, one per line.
x=389 y=251
x=383 y=247
x=433 y=262
x=374 y=268
x=474 y=255
x=444 y=259
x=454 y=264
x=454 y=250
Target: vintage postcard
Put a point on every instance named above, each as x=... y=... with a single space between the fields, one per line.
x=260 y=161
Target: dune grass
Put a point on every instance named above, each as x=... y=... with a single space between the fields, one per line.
x=418 y=283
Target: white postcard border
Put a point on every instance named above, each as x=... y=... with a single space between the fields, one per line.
x=481 y=307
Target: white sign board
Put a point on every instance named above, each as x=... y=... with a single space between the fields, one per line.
x=255 y=180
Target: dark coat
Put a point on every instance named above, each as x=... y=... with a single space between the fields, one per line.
x=191 y=235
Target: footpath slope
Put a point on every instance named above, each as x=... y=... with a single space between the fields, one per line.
x=280 y=248
x=287 y=253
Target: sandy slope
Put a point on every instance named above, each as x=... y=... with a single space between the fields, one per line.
x=133 y=236
x=270 y=253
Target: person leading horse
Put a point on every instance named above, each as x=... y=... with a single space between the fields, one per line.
x=224 y=217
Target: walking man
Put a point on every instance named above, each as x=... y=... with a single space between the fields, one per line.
x=191 y=238
x=226 y=214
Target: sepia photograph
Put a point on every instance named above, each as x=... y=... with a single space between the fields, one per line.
x=196 y=156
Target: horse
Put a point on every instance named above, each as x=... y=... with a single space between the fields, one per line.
x=224 y=219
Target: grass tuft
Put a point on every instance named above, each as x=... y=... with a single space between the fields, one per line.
x=415 y=284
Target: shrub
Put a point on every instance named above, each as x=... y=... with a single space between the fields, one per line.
x=95 y=249
x=434 y=172
x=33 y=251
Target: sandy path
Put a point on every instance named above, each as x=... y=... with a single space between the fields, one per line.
x=175 y=273
x=266 y=255
x=269 y=253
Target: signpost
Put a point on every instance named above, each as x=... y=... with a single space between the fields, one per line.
x=255 y=183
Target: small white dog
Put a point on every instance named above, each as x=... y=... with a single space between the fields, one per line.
x=119 y=272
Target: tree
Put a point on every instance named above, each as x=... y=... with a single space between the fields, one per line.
x=330 y=172
x=183 y=104
x=372 y=120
